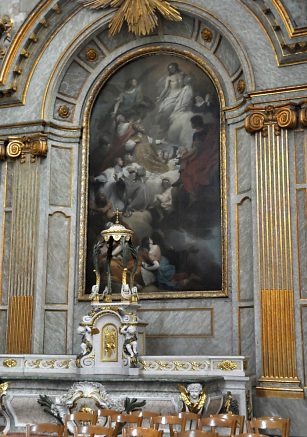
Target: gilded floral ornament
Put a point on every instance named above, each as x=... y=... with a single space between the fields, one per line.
x=206 y=34
x=141 y=16
x=227 y=365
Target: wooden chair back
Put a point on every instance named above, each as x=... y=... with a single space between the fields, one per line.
x=248 y=434
x=195 y=433
x=146 y=417
x=172 y=422
x=48 y=428
x=141 y=432
x=239 y=420
x=104 y=416
x=214 y=423
x=189 y=420
x=287 y=420
x=274 y=423
x=79 y=418
x=121 y=420
x=93 y=430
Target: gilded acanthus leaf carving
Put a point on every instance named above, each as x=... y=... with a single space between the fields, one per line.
x=141 y=16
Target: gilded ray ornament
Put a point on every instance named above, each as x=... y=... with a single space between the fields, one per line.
x=140 y=15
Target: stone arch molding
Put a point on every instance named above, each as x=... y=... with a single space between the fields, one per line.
x=64 y=48
x=95 y=58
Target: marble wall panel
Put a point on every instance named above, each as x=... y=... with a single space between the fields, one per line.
x=188 y=333
x=58 y=254
x=247 y=346
x=228 y=57
x=61 y=176
x=185 y=346
x=176 y=322
x=243 y=161
x=122 y=38
x=300 y=156
x=6 y=257
x=73 y=80
x=3 y=321
x=245 y=250
x=298 y=12
x=25 y=407
x=304 y=339
x=55 y=332
x=302 y=240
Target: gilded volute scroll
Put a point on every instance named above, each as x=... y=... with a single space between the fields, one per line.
x=32 y=145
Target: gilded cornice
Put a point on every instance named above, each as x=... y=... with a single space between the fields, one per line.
x=19 y=147
x=259 y=118
x=289 y=42
x=292 y=29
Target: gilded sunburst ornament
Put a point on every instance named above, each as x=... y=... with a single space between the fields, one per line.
x=140 y=15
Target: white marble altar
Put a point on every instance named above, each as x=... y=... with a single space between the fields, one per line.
x=157 y=383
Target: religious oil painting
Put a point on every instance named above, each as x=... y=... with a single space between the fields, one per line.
x=154 y=154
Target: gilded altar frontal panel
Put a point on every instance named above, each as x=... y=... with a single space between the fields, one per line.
x=154 y=150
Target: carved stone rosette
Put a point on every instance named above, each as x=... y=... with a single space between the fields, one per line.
x=33 y=145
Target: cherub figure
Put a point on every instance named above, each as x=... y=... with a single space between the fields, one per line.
x=193 y=397
x=130 y=344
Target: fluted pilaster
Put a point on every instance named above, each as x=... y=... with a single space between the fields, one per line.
x=270 y=126
x=25 y=153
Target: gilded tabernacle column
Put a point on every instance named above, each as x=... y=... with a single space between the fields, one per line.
x=271 y=126
x=26 y=153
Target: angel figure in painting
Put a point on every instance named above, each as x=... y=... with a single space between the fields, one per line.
x=193 y=397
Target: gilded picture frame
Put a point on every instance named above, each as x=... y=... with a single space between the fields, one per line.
x=161 y=160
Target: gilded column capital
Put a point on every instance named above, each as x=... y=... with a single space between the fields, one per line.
x=303 y=115
x=282 y=116
x=34 y=146
x=2 y=150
